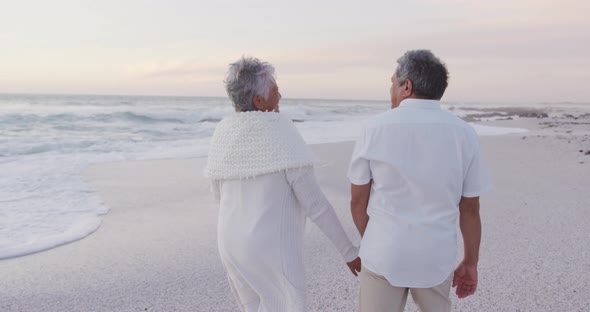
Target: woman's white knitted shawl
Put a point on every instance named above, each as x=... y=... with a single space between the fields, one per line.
x=248 y=144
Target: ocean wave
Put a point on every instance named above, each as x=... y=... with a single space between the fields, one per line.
x=140 y=118
x=11 y=119
x=47 y=141
x=10 y=149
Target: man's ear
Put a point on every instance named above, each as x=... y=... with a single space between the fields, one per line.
x=408 y=88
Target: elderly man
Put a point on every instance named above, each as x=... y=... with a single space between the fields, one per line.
x=414 y=170
x=262 y=174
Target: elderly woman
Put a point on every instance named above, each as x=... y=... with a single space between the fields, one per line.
x=262 y=175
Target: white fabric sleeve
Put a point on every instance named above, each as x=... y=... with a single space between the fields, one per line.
x=214 y=187
x=359 y=170
x=317 y=207
x=477 y=178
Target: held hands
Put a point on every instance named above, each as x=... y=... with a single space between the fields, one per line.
x=465 y=279
x=355 y=266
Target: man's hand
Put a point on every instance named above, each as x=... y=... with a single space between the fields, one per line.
x=465 y=279
x=355 y=266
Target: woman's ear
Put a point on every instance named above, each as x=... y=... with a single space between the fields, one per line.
x=258 y=102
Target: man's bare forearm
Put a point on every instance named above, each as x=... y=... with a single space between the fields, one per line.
x=358 y=205
x=470 y=223
x=360 y=218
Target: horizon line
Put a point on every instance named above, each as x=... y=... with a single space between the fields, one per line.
x=176 y=96
x=298 y=98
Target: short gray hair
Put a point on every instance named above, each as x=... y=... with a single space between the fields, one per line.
x=428 y=74
x=246 y=78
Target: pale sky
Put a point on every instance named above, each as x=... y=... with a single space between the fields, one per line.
x=496 y=51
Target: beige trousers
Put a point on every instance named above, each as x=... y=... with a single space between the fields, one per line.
x=377 y=295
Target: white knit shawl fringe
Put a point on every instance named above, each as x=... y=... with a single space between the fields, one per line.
x=248 y=144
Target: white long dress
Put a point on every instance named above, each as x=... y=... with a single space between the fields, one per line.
x=262 y=218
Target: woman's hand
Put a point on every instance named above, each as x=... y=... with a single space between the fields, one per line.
x=355 y=266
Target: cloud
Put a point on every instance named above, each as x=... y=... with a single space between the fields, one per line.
x=175 y=69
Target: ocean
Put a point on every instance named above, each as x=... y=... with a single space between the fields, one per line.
x=46 y=141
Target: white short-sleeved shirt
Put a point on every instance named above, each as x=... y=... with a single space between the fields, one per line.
x=421 y=160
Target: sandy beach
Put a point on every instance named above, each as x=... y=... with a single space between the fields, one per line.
x=156 y=249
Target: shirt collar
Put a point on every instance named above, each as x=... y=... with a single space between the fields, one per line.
x=420 y=103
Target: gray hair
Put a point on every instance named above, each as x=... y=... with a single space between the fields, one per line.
x=246 y=78
x=428 y=74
